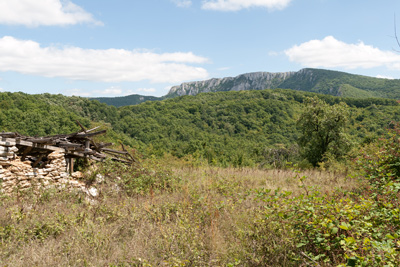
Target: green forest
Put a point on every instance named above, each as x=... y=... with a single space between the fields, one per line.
x=223 y=128
x=273 y=177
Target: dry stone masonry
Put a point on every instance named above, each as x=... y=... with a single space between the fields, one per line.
x=43 y=162
x=20 y=175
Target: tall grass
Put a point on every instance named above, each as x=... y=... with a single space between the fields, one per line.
x=162 y=214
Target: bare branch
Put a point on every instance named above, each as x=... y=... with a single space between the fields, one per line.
x=395 y=33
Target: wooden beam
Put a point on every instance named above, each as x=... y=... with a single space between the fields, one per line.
x=90 y=134
x=9 y=134
x=26 y=143
x=49 y=140
x=26 y=151
x=83 y=128
x=38 y=160
x=114 y=151
x=91 y=130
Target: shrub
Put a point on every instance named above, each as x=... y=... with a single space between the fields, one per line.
x=360 y=228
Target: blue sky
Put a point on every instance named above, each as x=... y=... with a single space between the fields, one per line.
x=121 y=47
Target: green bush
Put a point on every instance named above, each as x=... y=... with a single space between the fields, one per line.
x=360 y=228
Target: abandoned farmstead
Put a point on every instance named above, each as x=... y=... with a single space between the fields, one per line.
x=43 y=162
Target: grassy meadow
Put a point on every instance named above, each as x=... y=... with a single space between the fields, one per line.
x=173 y=214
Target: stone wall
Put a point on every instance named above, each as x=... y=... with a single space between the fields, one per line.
x=19 y=175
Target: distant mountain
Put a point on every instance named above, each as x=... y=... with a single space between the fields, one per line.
x=321 y=81
x=126 y=100
x=310 y=80
x=248 y=81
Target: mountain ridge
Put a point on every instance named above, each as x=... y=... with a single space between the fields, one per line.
x=321 y=81
x=246 y=81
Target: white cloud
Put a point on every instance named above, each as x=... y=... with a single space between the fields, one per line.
x=331 y=53
x=146 y=90
x=235 y=5
x=384 y=77
x=110 y=65
x=110 y=91
x=182 y=3
x=44 y=12
x=76 y=92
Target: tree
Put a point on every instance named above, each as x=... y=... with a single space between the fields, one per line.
x=322 y=130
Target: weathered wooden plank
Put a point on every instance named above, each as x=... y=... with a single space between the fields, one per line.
x=26 y=151
x=114 y=151
x=80 y=125
x=38 y=160
x=91 y=130
x=9 y=134
x=77 y=144
x=90 y=134
x=35 y=145
x=49 y=140
x=68 y=145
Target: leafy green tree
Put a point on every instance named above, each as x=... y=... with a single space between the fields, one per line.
x=322 y=130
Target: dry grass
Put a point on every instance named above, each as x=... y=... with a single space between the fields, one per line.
x=206 y=219
x=250 y=178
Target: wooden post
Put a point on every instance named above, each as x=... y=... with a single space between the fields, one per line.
x=71 y=165
x=26 y=151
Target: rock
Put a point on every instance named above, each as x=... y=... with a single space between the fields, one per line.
x=93 y=192
x=248 y=81
x=99 y=178
x=77 y=175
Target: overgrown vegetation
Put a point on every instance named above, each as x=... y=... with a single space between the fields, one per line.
x=180 y=215
x=223 y=129
x=192 y=215
x=179 y=207
x=360 y=227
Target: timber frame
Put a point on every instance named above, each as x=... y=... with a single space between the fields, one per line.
x=74 y=145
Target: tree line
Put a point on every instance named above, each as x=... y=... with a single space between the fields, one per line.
x=224 y=128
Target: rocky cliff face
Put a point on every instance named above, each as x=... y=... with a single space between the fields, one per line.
x=248 y=81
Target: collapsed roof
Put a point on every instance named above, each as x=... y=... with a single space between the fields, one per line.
x=75 y=145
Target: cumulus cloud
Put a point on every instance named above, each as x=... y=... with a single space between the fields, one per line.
x=332 y=53
x=109 y=65
x=44 y=12
x=146 y=90
x=77 y=92
x=384 y=77
x=182 y=3
x=235 y=5
x=113 y=90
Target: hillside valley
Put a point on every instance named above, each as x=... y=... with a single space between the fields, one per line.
x=220 y=182
x=221 y=128
x=309 y=80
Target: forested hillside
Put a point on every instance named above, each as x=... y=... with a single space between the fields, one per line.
x=321 y=81
x=127 y=100
x=236 y=127
x=342 y=84
x=224 y=128
x=309 y=80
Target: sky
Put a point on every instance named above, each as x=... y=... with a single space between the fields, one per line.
x=107 y=48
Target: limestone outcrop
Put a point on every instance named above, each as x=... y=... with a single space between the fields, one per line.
x=248 y=81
